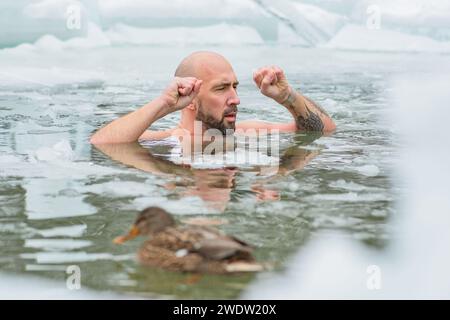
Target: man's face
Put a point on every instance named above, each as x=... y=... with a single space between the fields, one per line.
x=218 y=100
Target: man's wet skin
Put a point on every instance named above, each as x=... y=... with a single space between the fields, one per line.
x=205 y=89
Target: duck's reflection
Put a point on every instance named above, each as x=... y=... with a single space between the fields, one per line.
x=213 y=186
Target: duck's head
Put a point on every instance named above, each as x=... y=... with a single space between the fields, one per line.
x=149 y=221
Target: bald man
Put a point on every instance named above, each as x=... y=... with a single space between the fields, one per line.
x=205 y=89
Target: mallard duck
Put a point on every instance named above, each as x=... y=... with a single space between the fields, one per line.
x=188 y=248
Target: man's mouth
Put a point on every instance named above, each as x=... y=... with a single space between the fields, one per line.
x=230 y=117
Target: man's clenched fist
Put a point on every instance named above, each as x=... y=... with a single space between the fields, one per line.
x=272 y=83
x=180 y=92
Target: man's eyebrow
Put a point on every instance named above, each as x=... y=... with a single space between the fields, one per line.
x=226 y=83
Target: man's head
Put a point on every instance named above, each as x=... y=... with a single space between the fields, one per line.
x=217 y=101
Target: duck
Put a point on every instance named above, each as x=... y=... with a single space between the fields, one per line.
x=188 y=248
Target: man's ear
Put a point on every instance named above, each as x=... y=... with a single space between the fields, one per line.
x=192 y=106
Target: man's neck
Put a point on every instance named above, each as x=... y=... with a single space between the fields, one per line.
x=189 y=123
x=197 y=140
x=186 y=122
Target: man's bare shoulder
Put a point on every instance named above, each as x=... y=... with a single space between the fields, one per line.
x=156 y=135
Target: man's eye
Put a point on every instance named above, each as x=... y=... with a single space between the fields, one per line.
x=220 y=88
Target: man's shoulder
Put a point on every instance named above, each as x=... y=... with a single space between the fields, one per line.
x=156 y=134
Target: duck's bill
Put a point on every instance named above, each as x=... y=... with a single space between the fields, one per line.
x=133 y=233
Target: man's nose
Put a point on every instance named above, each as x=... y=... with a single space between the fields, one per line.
x=234 y=98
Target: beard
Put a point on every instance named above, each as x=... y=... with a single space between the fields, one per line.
x=212 y=123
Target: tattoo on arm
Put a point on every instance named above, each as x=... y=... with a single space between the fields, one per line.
x=316 y=106
x=312 y=122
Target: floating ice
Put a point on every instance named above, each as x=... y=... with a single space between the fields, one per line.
x=27 y=78
x=356 y=37
x=8 y=160
x=60 y=151
x=349 y=196
x=24 y=287
x=43 y=202
x=188 y=205
x=67 y=231
x=56 y=244
x=369 y=170
x=351 y=186
x=70 y=257
x=121 y=189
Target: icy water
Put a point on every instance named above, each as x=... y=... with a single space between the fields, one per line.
x=62 y=201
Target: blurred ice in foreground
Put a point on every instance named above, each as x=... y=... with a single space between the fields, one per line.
x=416 y=263
x=29 y=287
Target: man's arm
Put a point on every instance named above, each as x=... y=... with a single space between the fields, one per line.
x=308 y=116
x=132 y=126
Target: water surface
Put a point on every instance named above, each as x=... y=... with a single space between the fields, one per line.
x=62 y=200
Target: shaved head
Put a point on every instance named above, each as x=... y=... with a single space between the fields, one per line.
x=200 y=63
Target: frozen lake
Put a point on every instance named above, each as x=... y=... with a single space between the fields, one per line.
x=361 y=213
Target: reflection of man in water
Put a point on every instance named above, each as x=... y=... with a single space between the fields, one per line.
x=213 y=186
x=205 y=89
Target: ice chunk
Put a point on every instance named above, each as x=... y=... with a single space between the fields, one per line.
x=60 y=151
x=369 y=170
x=357 y=37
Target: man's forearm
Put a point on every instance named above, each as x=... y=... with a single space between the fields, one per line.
x=130 y=127
x=308 y=115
